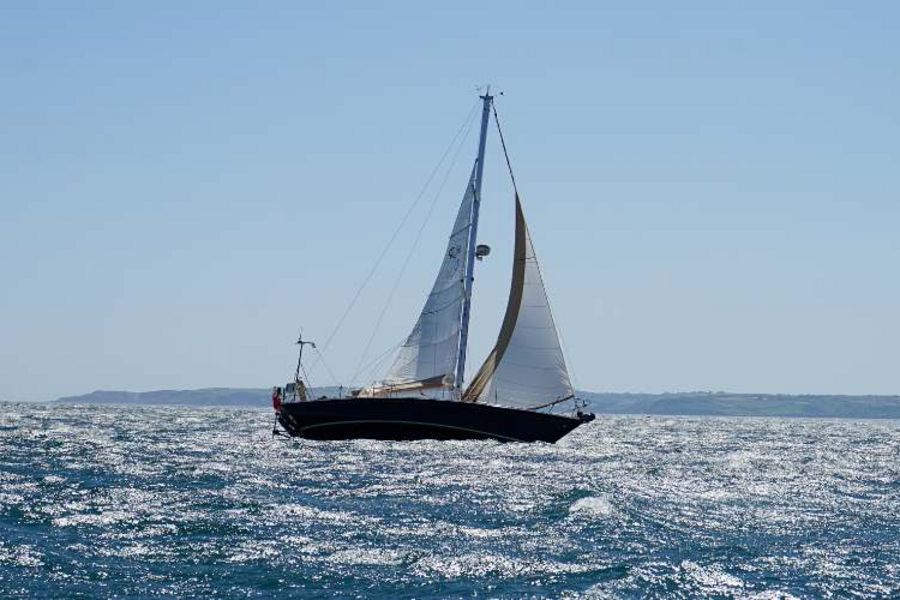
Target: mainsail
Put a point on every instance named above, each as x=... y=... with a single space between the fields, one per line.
x=428 y=357
x=527 y=367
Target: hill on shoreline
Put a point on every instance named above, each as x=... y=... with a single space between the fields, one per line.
x=687 y=403
x=232 y=397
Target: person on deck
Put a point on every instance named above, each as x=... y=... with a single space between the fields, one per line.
x=301 y=390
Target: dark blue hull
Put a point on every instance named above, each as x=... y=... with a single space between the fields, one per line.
x=421 y=419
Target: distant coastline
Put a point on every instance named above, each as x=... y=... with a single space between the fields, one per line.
x=747 y=405
x=687 y=403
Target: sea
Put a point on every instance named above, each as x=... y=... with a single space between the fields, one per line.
x=157 y=502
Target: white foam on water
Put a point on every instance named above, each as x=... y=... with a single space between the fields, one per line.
x=711 y=578
x=769 y=595
x=105 y=518
x=20 y=556
x=593 y=506
x=312 y=514
x=254 y=551
x=489 y=564
x=367 y=556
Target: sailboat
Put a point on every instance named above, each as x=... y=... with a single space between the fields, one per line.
x=522 y=392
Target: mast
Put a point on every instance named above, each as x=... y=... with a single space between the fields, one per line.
x=473 y=237
x=301 y=342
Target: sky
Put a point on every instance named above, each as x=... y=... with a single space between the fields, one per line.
x=713 y=188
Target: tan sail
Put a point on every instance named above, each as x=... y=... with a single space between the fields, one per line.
x=527 y=367
x=483 y=377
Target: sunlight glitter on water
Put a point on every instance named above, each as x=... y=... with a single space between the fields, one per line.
x=100 y=501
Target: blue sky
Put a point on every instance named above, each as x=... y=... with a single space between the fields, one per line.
x=713 y=188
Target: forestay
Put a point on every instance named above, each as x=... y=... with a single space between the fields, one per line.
x=527 y=367
x=428 y=357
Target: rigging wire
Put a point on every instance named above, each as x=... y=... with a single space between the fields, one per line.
x=373 y=365
x=503 y=143
x=579 y=402
x=415 y=203
x=321 y=359
x=412 y=250
x=309 y=384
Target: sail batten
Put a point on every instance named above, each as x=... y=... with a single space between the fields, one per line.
x=527 y=367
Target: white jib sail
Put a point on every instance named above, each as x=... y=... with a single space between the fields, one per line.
x=527 y=367
x=427 y=359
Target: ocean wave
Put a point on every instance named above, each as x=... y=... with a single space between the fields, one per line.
x=97 y=502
